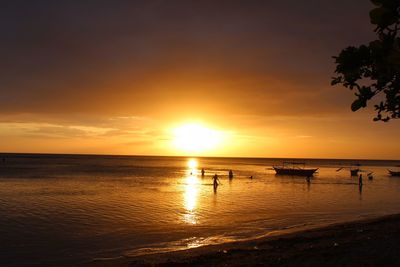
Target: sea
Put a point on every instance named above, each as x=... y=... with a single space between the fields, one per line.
x=76 y=209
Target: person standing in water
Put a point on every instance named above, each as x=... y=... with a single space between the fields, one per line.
x=216 y=181
x=360 y=180
x=230 y=174
x=202 y=172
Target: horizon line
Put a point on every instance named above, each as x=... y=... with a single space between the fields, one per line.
x=186 y=156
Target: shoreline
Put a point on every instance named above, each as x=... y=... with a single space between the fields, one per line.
x=365 y=242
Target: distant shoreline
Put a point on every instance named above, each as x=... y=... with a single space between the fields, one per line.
x=2 y=154
x=368 y=242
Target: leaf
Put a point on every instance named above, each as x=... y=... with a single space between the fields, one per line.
x=356 y=105
x=376 y=2
x=376 y=45
x=336 y=80
x=382 y=17
x=375 y=15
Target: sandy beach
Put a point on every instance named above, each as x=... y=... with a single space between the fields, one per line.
x=372 y=242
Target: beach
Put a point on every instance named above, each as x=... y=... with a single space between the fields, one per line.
x=371 y=242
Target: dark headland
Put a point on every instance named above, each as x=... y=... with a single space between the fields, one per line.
x=372 y=242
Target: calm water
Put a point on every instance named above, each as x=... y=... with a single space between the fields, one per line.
x=72 y=209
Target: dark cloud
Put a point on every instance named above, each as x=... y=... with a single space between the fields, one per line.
x=144 y=57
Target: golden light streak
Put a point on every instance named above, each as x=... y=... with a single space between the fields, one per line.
x=191 y=193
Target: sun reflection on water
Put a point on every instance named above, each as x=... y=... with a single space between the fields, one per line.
x=192 y=166
x=192 y=163
x=191 y=193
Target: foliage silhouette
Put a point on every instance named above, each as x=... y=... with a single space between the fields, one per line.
x=373 y=70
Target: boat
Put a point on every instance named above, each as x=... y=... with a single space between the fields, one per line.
x=394 y=173
x=295 y=169
x=354 y=170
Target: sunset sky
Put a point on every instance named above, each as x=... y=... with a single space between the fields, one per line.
x=122 y=77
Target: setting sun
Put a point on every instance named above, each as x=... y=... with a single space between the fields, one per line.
x=196 y=138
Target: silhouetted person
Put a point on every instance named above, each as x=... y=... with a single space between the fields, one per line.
x=230 y=174
x=251 y=177
x=215 y=181
x=360 y=180
x=202 y=172
x=308 y=179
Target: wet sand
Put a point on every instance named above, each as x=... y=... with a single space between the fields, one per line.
x=372 y=242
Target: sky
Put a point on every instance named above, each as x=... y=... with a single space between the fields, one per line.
x=119 y=77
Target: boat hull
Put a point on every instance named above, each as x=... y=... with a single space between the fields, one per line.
x=393 y=173
x=294 y=172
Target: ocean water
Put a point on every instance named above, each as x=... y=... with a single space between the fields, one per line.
x=72 y=209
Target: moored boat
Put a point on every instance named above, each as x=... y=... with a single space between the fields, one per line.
x=354 y=170
x=394 y=173
x=295 y=169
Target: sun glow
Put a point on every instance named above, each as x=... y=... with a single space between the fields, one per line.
x=196 y=138
x=192 y=164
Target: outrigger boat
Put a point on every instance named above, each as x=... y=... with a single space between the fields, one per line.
x=294 y=168
x=394 y=173
x=354 y=170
